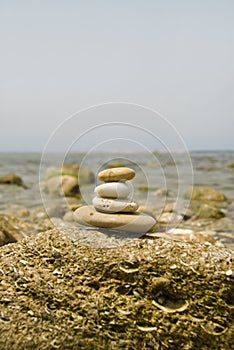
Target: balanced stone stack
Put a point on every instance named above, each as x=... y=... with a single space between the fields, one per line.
x=113 y=207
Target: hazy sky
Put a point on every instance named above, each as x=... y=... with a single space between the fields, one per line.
x=58 y=57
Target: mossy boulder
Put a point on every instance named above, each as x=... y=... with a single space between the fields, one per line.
x=65 y=185
x=84 y=175
x=147 y=294
x=66 y=180
x=206 y=211
x=204 y=193
x=231 y=166
x=12 y=179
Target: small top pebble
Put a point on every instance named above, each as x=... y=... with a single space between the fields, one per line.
x=116 y=174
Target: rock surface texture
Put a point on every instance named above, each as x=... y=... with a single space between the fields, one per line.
x=148 y=294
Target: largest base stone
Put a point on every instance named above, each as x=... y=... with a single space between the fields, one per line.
x=131 y=222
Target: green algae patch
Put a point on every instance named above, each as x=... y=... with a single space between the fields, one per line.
x=116 y=164
x=146 y=188
x=148 y=294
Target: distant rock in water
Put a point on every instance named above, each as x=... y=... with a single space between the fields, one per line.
x=209 y=212
x=204 y=193
x=64 y=185
x=65 y=179
x=231 y=166
x=12 y=179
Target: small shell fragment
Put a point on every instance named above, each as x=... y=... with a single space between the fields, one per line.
x=214 y=328
x=128 y=270
x=123 y=312
x=170 y=309
x=229 y=272
x=173 y=267
x=147 y=329
x=24 y=262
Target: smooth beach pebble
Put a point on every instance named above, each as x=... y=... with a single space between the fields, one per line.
x=114 y=205
x=116 y=174
x=113 y=190
x=134 y=222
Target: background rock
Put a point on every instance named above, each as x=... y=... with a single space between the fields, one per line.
x=231 y=166
x=85 y=175
x=65 y=180
x=12 y=179
x=204 y=193
x=65 y=185
x=208 y=211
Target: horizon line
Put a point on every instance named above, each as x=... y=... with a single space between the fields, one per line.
x=122 y=151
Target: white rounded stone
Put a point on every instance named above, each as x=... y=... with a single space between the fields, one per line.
x=114 y=205
x=113 y=190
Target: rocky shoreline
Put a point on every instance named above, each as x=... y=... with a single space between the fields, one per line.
x=209 y=216
x=204 y=220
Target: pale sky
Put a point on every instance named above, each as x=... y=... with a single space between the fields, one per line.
x=58 y=57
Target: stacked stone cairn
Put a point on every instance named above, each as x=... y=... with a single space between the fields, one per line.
x=112 y=206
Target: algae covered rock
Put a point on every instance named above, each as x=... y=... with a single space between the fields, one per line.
x=231 y=166
x=147 y=294
x=65 y=179
x=208 y=211
x=66 y=185
x=85 y=175
x=12 y=179
x=204 y=193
